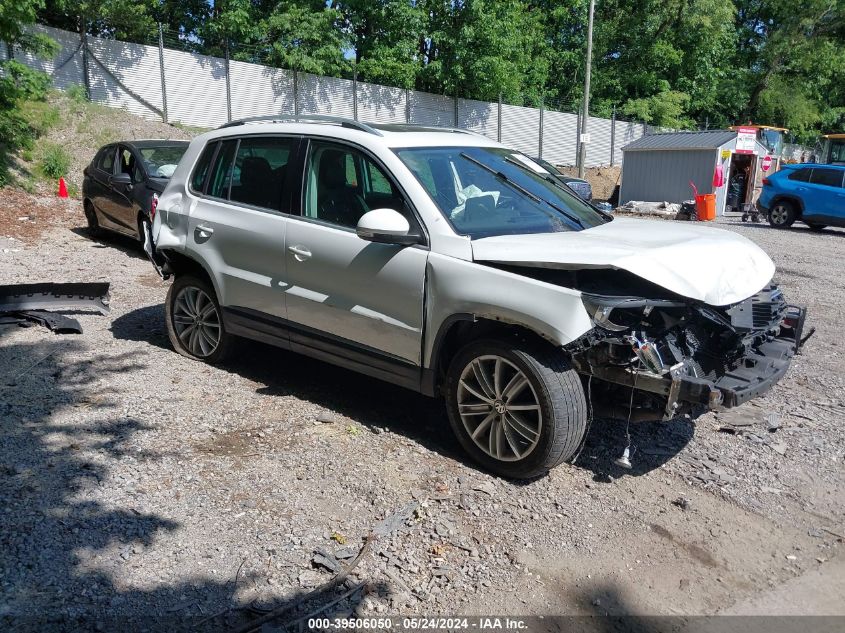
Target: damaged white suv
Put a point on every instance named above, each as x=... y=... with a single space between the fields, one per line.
x=444 y=262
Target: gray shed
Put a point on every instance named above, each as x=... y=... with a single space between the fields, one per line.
x=660 y=167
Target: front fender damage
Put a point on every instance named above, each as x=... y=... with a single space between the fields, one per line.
x=456 y=286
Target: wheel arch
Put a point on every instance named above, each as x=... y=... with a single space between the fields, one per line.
x=180 y=264
x=785 y=197
x=462 y=328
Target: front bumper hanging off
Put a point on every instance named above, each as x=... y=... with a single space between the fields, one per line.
x=755 y=373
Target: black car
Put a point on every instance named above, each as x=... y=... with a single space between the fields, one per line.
x=580 y=186
x=122 y=184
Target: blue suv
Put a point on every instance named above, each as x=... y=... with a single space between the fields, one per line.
x=814 y=194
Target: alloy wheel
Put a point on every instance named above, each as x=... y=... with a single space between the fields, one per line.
x=196 y=321
x=499 y=408
x=779 y=214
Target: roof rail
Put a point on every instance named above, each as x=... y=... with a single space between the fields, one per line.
x=415 y=127
x=461 y=130
x=305 y=118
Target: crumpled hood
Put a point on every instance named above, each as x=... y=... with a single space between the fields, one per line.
x=711 y=265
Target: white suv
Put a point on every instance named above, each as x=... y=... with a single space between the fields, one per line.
x=444 y=262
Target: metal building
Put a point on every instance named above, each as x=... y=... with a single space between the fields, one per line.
x=660 y=167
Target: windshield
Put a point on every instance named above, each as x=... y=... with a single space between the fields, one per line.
x=486 y=191
x=836 y=153
x=161 y=162
x=772 y=140
x=549 y=167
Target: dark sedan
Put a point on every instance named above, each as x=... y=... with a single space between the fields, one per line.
x=122 y=184
x=580 y=186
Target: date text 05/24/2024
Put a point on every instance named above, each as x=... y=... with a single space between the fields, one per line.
x=417 y=624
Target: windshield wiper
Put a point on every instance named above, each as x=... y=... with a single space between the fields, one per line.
x=557 y=183
x=522 y=189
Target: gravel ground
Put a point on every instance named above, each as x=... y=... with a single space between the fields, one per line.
x=139 y=486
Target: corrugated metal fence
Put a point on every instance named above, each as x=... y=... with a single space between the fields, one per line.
x=198 y=90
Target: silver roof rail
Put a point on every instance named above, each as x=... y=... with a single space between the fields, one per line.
x=305 y=118
x=412 y=127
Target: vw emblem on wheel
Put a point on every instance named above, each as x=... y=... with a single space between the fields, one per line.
x=500 y=407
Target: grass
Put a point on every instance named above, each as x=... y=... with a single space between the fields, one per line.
x=41 y=138
x=35 y=159
x=55 y=161
x=27 y=183
x=40 y=115
x=20 y=130
x=190 y=129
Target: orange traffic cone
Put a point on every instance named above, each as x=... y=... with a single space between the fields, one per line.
x=62 y=188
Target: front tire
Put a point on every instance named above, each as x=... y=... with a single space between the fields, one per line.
x=194 y=320
x=782 y=214
x=518 y=409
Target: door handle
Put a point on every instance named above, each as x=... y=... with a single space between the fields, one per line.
x=204 y=231
x=300 y=253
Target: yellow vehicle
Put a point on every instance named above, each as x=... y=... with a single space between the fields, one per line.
x=770 y=136
x=834 y=149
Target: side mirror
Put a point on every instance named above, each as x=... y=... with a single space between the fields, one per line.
x=386 y=226
x=121 y=179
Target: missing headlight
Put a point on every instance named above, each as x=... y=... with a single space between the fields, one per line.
x=628 y=309
x=601 y=316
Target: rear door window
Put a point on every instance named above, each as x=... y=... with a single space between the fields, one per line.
x=801 y=175
x=221 y=172
x=260 y=171
x=828 y=177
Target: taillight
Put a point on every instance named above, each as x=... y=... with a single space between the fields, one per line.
x=153 y=206
x=765 y=181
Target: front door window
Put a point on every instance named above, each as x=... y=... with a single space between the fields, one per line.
x=342 y=184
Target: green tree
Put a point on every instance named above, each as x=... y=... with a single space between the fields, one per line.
x=118 y=19
x=483 y=48
x=667 y=109
x=650 y=51
x=18 y=81
x=305 y=36
x=385 y=37
x=565 y=36
x=792 y=62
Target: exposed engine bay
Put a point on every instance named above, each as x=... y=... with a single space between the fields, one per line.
x=678 y=355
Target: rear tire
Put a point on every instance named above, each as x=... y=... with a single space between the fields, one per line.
x=513 y=429
x=94 y=229
x=782 y=214
x=194 y=320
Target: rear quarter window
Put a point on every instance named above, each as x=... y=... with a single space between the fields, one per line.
x=221 y=173
x=105 y=160
x=201 y=168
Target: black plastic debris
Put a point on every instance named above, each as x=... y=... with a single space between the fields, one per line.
x=28 y=304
